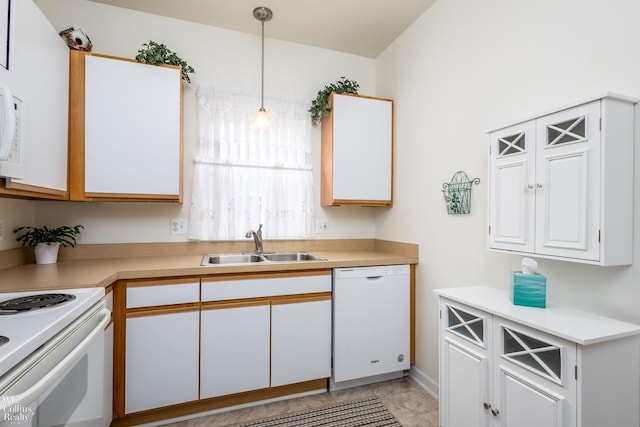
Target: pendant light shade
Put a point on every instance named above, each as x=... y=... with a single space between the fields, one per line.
x=262 y=14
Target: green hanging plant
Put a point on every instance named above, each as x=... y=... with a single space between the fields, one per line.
x=320 y=106
x=158 y=54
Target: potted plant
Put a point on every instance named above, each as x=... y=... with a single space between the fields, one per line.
x=157 y=54
x=320 y=106
x=46 y=241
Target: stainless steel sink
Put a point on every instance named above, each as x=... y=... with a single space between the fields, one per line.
x=219 y=259
x=216 y=259
x=292 y=256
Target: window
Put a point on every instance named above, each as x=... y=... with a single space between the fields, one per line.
x=243 y=176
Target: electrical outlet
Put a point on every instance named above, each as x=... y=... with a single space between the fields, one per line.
x=322 y=227
x=179 y=226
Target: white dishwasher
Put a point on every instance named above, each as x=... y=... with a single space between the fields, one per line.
x=371 y=324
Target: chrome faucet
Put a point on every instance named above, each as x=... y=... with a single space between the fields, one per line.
x=257 y=238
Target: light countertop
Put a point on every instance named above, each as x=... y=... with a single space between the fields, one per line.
x=577 y=326
x=104 y=271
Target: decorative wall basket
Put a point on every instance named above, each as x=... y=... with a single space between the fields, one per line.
x=457 y=193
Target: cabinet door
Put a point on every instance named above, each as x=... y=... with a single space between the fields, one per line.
x=161 y=359
x=512 y=192
x=235 y=341
x=125 y=130
x=534 y=379
x=568 y=181
x=465 y=355
x=38 y=77
x=525 y=404
x=358 y=152
x=466 y=375
x=300 y=340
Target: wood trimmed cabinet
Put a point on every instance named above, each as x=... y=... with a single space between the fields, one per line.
x=195 y=344
x=506 y=365
x=125 y=130
x=357 y=152
x=561 y=184
x=38 y=77
x=162 y=343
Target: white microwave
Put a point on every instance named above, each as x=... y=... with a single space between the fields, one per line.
x=11 y=150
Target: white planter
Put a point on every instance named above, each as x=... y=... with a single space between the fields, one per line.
x=47 y=253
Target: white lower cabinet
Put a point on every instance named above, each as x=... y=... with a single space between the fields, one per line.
x=234 y=349
x=512 y=366
x=300 y=340
x=228 y=338
x=162 y=360
x=251 y=341
x=162 y=343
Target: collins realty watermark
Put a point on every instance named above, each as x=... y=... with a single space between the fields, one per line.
x=13 y=412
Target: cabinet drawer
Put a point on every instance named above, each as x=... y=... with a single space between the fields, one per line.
x=219 y=289
x=148 y=294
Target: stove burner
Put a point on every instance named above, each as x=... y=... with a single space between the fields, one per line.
x=3 y=340
x=33 y=302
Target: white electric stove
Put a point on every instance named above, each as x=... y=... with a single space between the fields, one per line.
x=25 y=327
x=52 y=369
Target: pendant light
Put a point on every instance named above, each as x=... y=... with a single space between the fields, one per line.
x=262 y=14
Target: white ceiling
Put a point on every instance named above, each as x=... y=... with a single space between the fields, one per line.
x=361 y=27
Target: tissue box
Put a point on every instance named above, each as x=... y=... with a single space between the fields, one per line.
x=528 y=289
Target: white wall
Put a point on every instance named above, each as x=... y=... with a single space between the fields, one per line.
x=220 y=57
x=463 y=68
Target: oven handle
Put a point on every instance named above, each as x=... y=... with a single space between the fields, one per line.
x=30 y=395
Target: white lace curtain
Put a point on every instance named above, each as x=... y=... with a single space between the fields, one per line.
x=243 y=176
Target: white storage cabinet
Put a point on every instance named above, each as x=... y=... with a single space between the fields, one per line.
x=274 y=329
x=561 y=184
x=162 y=344
x=300 y=339
x=125 y=129
x=38 y=76
x=512 y=366
x=235 y=348
x=357 y=152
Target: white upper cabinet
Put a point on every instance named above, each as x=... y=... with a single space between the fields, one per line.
x=561 y=185
x=37 y=76
x=125 y=130
x=357 y=152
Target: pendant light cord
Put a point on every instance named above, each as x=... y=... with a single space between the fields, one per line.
x=262 y=85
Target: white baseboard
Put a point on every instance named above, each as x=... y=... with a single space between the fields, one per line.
x=425 y=382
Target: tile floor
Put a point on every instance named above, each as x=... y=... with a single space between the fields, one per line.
x=406 y=400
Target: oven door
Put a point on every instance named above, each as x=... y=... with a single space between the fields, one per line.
x=61 y=384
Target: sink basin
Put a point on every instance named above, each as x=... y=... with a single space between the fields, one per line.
x=219 y=259
x=292 y=256
x=230 y=259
